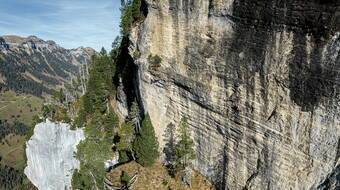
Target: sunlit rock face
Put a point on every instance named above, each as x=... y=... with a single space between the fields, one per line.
x=50 y=155
x=258 y=81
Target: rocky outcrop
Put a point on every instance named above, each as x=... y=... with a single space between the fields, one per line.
x=15 y=43
x=258 y=80
x=34 y=66
x=50 y=155
x=332 y=181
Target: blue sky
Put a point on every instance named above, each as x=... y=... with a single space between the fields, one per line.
x=70 y=23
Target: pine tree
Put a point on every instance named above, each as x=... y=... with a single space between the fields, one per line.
x=62 y=96
x=103 y=52
x=100 y=83
x=146 y=144
x=184 y=148
x=59 y=96
x=130 y=14
x=134 y=115
x=123 y=141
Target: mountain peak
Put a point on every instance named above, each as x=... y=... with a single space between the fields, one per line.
x=31 y=60
x=32 y=41
x=14 y=41
x=32 y=37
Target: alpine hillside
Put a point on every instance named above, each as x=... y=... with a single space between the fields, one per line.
x=34 y=66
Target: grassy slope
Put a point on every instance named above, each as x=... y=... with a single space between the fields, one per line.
x=12 y=151
x=157 y=177
x=12 y=105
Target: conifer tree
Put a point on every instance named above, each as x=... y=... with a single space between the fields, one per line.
x=134 y=115
x=103 y=52
x=125 y=137
x=100 y=83
x=184 y=148
x=146 y=144
x=130 y=14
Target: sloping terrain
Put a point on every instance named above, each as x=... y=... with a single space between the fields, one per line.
x=31 y=69
x=155 y=177
x=34 y=66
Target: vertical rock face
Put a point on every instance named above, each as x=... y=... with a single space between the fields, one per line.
x=258 y=80
x=50 y=155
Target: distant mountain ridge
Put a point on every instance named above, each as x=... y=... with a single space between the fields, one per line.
x=35 y=66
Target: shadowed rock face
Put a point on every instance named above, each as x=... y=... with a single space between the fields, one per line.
x=332 y=181
x=258 y=21
x=258 y=80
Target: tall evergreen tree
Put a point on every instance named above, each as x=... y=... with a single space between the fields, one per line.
x=100 y=83
x=146 y=144
x=134 y=115
x=184 y=148
x=124 y=138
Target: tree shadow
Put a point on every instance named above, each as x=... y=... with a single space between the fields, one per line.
x=170 y=156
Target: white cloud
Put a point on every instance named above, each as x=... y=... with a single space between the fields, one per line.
x=69 y=23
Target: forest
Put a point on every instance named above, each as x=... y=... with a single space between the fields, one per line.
x=16 y=127
x=10 y=177
x=46 y=67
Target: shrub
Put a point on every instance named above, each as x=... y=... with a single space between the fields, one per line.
x=154 y=61
x=136 y=54
x=80 y=120
x=123 y=157
x=125 y=178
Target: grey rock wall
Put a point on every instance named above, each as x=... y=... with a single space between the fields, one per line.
x=258 y=80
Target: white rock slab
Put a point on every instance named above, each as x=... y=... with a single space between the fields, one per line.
x=50 y=155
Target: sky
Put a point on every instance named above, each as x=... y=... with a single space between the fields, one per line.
x=70 y=23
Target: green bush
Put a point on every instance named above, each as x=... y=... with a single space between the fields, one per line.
x=80 y=120
x=123 y=156
x=125 y=178
x=154 y=61
x=136 y=54
x=66 y=119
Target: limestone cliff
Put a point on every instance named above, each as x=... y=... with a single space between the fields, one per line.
x=50 y=155
x=258 y=80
